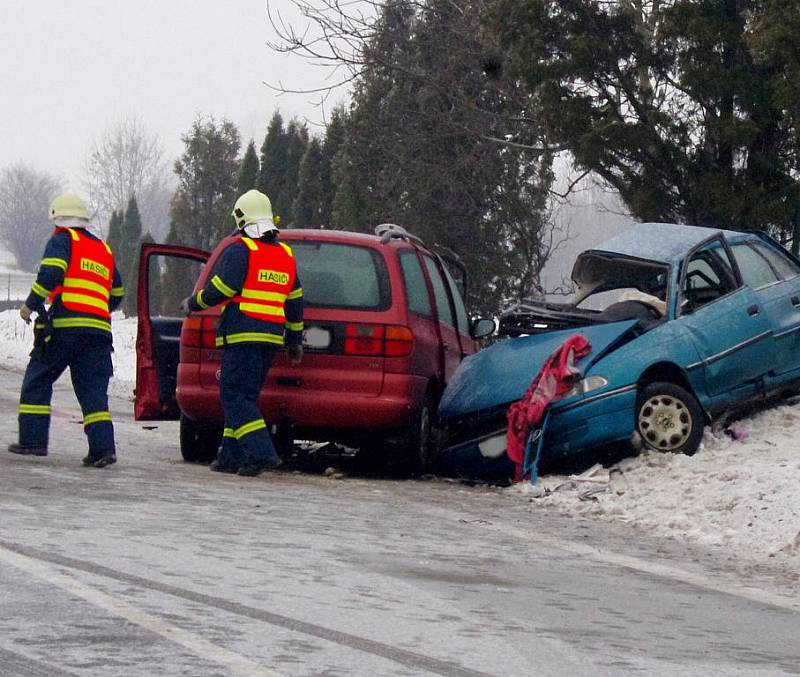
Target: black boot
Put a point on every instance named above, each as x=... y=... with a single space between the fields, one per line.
x=27 y=450
x=250 y=469
x=99 y=462
x=216 y=467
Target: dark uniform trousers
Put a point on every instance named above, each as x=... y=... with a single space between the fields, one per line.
x=245 y=438
x=88 y=357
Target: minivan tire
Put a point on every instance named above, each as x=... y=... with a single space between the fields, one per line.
x=199 y=440
x=669 y=418
x=418 y=447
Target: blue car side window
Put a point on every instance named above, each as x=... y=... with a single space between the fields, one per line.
x=755 y=269
x=783 y=265
x=709 y=276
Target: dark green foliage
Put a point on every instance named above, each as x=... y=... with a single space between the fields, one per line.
x=679 y=105
x=296 y=144
x=248 y=170
x=115 y=230
x=207 y=174
x=423 y=148
x=126 y=253
x=307 y=206
x=281 y=153
x=334 y=140
x=207 y=189
x=273 y=160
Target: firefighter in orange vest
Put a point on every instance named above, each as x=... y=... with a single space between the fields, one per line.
x=79 y=280
x=256 y=278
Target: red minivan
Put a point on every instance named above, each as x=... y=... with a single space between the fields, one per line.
x=385 y=328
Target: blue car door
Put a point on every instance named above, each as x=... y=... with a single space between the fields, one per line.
x=784 y=307
x=726 y=321
x=773 y=295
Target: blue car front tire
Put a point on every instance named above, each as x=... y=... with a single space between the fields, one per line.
x=669 y=418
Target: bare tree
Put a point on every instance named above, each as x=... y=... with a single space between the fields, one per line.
x=25 y=195
x=128 y=161
x=339 y=37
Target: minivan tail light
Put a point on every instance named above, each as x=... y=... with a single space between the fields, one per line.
x=209 y=331
x=399 y=341
x=191 y=332
x=199 y=332
x=363 y=339
x=378 y=340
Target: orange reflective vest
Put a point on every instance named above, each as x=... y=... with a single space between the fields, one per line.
x=271 y=271
x=90 y=273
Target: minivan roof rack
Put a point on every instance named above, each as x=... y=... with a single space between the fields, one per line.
x=391 y=231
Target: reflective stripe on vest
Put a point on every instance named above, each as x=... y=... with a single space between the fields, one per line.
x=270 y=276
x=87 y=282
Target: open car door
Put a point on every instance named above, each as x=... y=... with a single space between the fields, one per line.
x=167 y=275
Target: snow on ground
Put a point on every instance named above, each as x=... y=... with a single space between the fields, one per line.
x=739 y=494
x=16 y=341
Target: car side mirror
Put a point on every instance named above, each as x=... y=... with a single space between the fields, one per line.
x=482 y=327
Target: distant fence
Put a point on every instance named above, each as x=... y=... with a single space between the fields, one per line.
x=14 y=289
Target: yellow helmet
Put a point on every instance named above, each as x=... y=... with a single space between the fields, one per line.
x=68 y=205
x=250 y=207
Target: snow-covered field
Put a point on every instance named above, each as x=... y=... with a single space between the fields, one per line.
x=16 y=341
x=14 y=283
x=742 y=494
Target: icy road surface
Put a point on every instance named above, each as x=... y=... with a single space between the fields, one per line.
x=157 y=567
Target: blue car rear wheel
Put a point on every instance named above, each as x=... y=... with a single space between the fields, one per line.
x=669 y=418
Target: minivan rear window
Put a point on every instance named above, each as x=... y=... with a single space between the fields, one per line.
x=341 y=276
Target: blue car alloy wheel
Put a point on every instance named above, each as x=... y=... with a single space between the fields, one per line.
x=669 y=418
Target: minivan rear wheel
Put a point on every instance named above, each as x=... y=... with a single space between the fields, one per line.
x=200 y=440
x=418 y=447
x=669 y=418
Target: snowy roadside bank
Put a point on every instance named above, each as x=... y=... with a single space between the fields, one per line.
x=16 y=341
x=739 y=495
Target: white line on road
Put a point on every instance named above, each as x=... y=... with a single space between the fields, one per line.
x=238 y=665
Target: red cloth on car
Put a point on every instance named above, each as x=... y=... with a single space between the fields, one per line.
x=556 y=377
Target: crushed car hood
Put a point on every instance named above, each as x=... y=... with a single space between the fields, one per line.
x=502 y=372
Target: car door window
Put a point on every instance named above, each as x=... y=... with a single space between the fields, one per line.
x=783 y=265
x=439 y=292
x=709 y=276
x=755 y=269
x=458 y=302
x=419 y=301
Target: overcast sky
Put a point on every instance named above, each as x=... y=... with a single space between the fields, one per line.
x=70 y=69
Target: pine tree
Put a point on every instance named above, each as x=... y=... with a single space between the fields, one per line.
x=115 y=231
x=201 y=209
x=307 y=207
x=248 y=170
x=334 y=140
x=207 y=182
x=127 y=252
x=296 y=145
x=677 y=106
x=272 y=173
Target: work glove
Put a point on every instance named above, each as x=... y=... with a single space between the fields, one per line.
x=295 y=354
x=25 y=313
x=185 y=306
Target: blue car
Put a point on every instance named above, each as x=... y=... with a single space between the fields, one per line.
x=685 y=323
